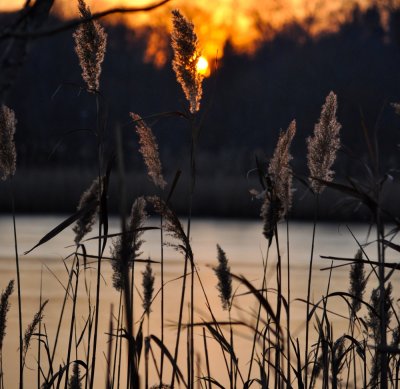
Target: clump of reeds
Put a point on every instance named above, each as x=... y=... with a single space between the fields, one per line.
x=148 y=287
x=186 y=55
x=8 y=154
x=224 y=276
x=4 y=308
x=88 y=201
x=149 y=151
x=127 y=246
x=90 y=46
x=32 y=328
x=323 y=145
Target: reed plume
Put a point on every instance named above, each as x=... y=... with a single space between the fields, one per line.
x=223 y=273
x=358 y=283
x=278 y=195
x=271 y=213
x=4 y=308
x=395 y=337
x=136 y=222
x=186 y=55
x=149 y=151
x=75 y=380
x=121 y=254
x=32 y=328
x=127 y=246
x=85 y=223
x=373 y=319
x=148 y=287
x=373 y=322
x=8 y=154
x=338 y=353
x=279 y=168
x=323 y=146
x=90 y=46
x=172 y=226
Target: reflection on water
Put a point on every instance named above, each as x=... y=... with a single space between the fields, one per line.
x=244 y=245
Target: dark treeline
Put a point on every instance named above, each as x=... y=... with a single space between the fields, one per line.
x=246 y=102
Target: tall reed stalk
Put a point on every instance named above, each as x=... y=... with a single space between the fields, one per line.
x=308 y=298
x=75 y=271
x=21 y=375
x=288 y=317
x=90 y=46
x=186 y=55
x=322 y=149
x=8 y=157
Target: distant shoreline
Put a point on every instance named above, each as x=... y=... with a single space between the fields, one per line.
x=57 y=191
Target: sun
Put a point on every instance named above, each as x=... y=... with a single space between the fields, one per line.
x=202 y=66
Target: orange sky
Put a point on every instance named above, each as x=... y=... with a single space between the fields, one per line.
x=242 y=21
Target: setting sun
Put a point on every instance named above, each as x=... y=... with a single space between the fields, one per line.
x=202 y=66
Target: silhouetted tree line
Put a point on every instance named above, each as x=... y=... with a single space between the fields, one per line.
x=247 y=100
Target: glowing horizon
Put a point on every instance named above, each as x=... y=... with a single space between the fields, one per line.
x=244 y=23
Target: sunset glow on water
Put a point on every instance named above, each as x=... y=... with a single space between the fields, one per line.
x=244 y=23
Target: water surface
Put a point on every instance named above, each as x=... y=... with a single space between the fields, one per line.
x=245 y=247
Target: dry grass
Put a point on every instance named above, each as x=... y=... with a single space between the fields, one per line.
x=366 y=356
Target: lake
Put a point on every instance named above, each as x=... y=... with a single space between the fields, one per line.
x=245 y=247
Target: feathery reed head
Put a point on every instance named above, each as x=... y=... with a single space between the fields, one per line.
x=338 y=352
x=279 y=169
x=373 y=322
x=126 y=247
x=223 y=273
x=85 y=223
x=32 y=328
x=322 y=147
x=149 y=151
x=121 y=254
x=186 y=55
x=136 y=222
x=148 y=287
x=75 y=380
x=317 y=368
x=395 y=337
x=90 y=46
x=358 y=282
x=8 y=155
x=4 y=308
x=271 y=213
x=172 y=226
